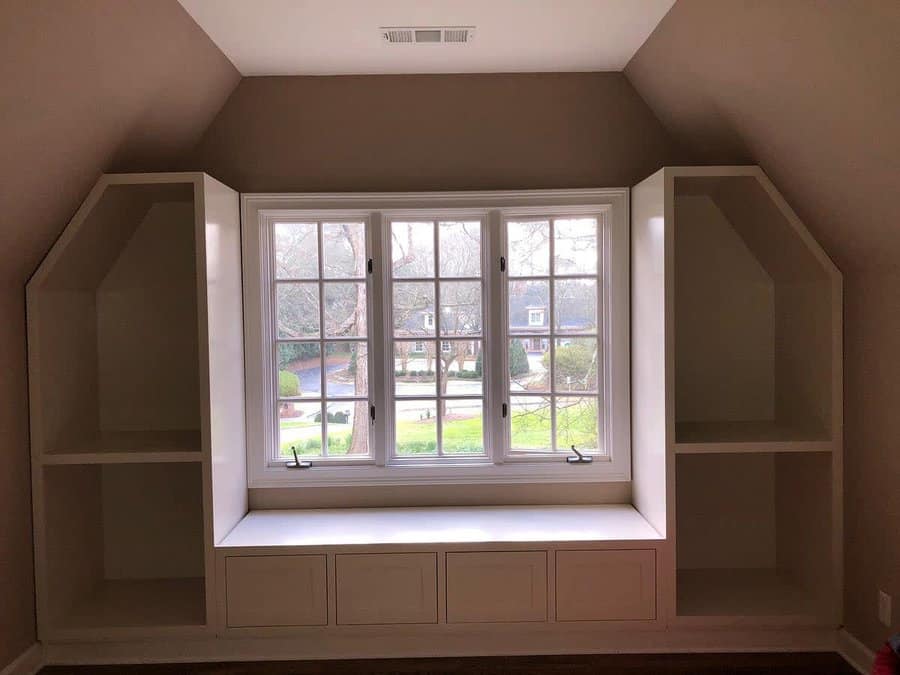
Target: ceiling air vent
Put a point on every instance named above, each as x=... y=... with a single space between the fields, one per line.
x=427 y=35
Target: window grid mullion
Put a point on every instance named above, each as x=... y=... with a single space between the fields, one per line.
x=323 y=430
x=551 y=322
x=438 y=376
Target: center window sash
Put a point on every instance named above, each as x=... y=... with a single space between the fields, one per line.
x=437 y=297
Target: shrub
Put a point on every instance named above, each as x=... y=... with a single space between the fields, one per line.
x=288 y=384
x=399 y=373
x=479 y=365
x=575 y=361
x=518 y=359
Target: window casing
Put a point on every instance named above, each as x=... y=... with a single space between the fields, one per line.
x=458 y=419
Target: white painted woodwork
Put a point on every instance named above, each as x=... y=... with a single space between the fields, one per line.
x=123 y=544
x=134 y=334
x=222 y=344
x=276 y=591
x=386 y=588
x=651 y=339
x=605 y=585
x=737 y=319
x=439 y=525
x=496 y=586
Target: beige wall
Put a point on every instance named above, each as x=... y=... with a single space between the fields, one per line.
x=88 y=87
x=433 y=132
x=809 y=89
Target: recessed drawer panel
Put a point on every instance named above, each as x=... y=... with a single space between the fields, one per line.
x=276 y=591
x=385 y=588
x=605 y=585
x=502 y=586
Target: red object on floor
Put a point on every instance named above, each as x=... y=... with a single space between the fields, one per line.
x=886 y=662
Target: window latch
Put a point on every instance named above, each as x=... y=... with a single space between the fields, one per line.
x=502 y=264
x=370 y=265
x=372 y=413
x=579 y=458
x=297 y=463
x=504 y=410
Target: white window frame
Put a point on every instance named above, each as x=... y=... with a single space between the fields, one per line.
x=610 y=206
x=538 y=313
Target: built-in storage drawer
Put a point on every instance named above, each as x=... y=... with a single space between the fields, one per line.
x=385 y=588
x=276 y=591
x=605 y=585
x=501 y=586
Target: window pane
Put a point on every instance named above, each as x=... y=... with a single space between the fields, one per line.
x=345 y=309
x=461 y=367
x=530 y=425
x=576 y=423
x=575 y=246
x=414 y=368
x=414 y=308
x=415 y=428
x=460 y=308
x=296 y=251
x=347 y=425
x=300 y=428
x=344 y=249
x=299 y=370
x=297 y=309
x=575 y=368
x=528 y=245
x=576 y=305
x=412 y=250
x=529 y=364
x=463 y=428
x=347 y=369
x=529 y=306
x=460 y=248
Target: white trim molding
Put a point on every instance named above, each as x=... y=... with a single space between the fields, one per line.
x=413 y=641
x=497 y=465
x=28 y=662
x=855 y=652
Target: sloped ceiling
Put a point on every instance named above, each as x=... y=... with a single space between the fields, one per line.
x=87 y=87
x=810 y=90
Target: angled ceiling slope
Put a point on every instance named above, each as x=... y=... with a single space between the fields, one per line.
x=342 y=37
x=806 y=89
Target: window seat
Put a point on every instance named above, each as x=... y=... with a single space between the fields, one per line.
x=440 y=525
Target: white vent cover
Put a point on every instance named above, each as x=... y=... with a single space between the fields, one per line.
x=427 y=35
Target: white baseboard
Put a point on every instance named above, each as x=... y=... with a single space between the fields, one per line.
x=855 y=652
x=420 y=642
x=27 y=663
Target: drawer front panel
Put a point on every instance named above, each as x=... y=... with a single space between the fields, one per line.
x=276 y=591
x=501 y=586
x=386 y=588
x=605 y=585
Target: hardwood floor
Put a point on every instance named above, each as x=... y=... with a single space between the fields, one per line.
x=647 y=664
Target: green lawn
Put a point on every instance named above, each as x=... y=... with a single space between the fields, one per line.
x=576 y=425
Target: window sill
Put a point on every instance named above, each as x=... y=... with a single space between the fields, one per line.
x=440 y=525
x=601 y=470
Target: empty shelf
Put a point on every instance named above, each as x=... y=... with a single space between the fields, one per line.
x=750 y=436
x=740 y=592
x=129 y=447
x=140 y=603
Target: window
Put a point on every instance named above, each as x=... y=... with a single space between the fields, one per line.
x=555 y=401
x=320 y=347
x=427 y=338
x=436 y=271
